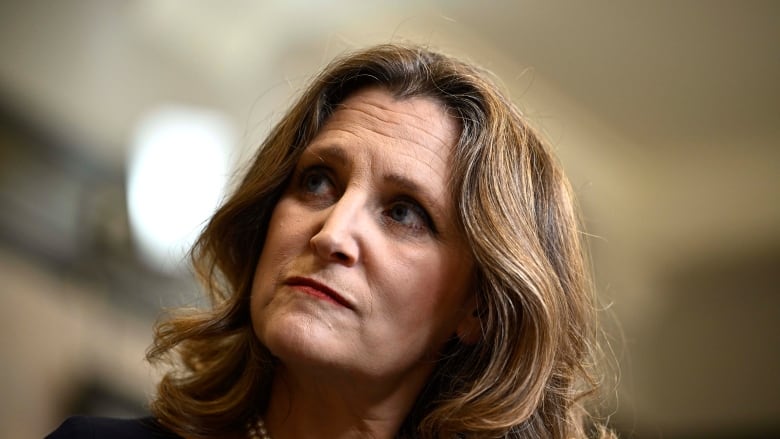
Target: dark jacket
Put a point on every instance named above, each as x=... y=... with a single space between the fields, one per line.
x=88 y=427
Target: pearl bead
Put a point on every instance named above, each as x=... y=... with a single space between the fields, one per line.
x=258 y=430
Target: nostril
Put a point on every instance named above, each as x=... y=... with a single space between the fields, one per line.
x=341 y=256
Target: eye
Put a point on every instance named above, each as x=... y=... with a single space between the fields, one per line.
x=411 y=215
x=316 y=182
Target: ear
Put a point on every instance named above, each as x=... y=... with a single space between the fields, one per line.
x=469 y=330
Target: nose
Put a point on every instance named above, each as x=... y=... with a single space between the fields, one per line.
x=339 y=238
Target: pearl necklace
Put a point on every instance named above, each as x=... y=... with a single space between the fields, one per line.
x=257 y=429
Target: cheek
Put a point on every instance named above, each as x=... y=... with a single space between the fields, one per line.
x=262 y=287
x=266 y=279
x=448 y=271
x=285 y=236
x=435 y=289
x=272 y=256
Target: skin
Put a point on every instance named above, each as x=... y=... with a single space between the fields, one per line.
x=364 y=274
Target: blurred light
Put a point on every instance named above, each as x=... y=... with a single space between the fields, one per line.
x=177 y=171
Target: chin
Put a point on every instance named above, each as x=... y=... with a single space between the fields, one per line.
x=298 y=339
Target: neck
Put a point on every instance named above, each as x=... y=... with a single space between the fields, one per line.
x=310 y=406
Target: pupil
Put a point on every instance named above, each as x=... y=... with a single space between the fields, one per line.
x=399 y=212
x=314 y=182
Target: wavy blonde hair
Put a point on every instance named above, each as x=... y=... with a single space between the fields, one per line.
x=529 y=373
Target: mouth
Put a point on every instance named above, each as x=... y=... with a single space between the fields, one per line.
x=318 y=290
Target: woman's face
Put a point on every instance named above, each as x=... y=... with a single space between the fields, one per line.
x=364 y=269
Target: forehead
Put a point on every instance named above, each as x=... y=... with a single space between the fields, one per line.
x=417 y=125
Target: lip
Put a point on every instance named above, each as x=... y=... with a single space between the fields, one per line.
x=318 y=290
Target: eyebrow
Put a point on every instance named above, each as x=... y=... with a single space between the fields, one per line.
x=333 y=153
x=404 y=183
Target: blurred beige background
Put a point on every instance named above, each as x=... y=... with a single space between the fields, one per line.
x=664 y=113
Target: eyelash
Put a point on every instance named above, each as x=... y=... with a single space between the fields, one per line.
x=413 y=206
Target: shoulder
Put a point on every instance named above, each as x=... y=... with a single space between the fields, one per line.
x=89 y=427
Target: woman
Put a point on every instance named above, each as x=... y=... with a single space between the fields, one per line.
x=402 y=259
